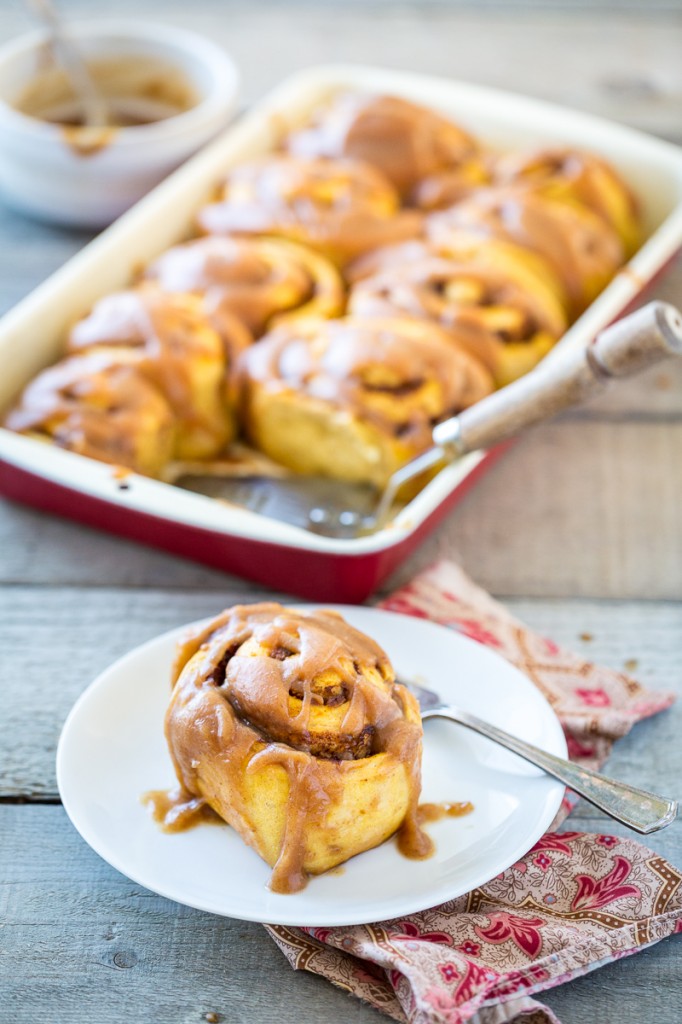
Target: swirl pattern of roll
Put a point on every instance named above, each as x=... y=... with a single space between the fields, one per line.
x=292 y=728
x=403 y=140
x=338 y=207
x=100 y=406
x=355 y=398
x=568 y=243
x=504 y=315
x=174 y=346
x=262 y=281
x=578 y=176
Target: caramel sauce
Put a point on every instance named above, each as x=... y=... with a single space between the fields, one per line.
x=176 y=811
x=234 y=714
x=436 y=812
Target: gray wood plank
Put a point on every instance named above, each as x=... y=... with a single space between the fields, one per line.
x=99 y=947
x=56 y=641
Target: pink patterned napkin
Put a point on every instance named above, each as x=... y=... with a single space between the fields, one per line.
x=573 y=903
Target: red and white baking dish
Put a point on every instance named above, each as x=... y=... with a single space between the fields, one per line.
x=284 y=556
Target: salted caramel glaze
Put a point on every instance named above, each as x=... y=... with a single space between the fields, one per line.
x=291 y=726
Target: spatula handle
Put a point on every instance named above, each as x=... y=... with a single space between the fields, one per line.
x=625 y=348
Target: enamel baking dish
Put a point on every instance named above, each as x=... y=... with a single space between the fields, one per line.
x=283 y=556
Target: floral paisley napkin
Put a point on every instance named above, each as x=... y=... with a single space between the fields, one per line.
x=574 y=902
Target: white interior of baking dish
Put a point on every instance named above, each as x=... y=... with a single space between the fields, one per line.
x=32 y=334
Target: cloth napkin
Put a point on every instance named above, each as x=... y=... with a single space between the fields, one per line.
x=574 y=902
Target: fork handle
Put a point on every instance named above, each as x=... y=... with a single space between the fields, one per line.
x=625 y=348
x=637 y=808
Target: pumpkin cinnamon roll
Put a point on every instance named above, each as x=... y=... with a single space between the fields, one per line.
x=338 y=207
x=176 y=348
x=575 y=175
x=291 y=726
x=563 y=240
x=101 y=407
x=355 y=398
x=403 y=140
x=261 y=281
x=506 y=318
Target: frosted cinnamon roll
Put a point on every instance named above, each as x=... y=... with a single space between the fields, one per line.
x=565 y=240
x=339 y=207
x=355 y=398
x=403 y=140
x=178 y=350
x=261 y=281
x=579 y=176
x=100 y=407
x=504 y=317
x=292 y=728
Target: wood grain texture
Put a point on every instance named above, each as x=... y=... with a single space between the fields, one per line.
x=101 y=948
x=56 y=645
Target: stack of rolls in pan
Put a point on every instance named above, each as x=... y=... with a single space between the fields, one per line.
x=379 y=272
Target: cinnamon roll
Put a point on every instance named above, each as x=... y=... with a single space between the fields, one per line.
x=576 y=175
x=403 y=140
x=179 y=351
x=292 y=728
x=504 y=317
x=100 y=406
x=261 y=281
x=566 y=241
x=339 y=207
x=355 y=398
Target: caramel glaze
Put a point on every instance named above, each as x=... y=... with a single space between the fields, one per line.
x=401 y=374
x=270 y=685
x=340 y=207
x=577 y=245
x=99 y=406
x=405 y=141
x=483 y=307
x=436 y=812
x=253 y=278
x=171 y=338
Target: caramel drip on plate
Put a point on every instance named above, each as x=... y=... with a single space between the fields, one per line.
x=305 y=698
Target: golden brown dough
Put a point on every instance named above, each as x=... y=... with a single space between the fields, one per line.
x=355 y=398
x=179 y=351
x=292 y=728
x=339 y=207
x=573 y=174
x=262 y=281
x=505 y=317
x=102 y=407
x=403 y=140
x=566 y=241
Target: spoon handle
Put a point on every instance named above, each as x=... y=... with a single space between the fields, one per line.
x=637 y=808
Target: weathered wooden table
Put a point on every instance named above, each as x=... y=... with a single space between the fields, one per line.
x=578 y=529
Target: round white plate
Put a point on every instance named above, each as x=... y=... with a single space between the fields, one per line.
x=112 y=749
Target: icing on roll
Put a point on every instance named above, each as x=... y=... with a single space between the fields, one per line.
x=580 y=176
x=569 y=242
x=174 y=345
x=102 y=407
x=355 y=398
x=502 y=315
x=292 y=728
x=339 y=207
x=261 y=281
x=403 y=140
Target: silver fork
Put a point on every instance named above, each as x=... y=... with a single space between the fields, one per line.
x=637 y=808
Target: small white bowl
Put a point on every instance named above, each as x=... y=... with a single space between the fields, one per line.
x=42 y=171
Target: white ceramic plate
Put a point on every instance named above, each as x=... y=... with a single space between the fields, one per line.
x=112 y=749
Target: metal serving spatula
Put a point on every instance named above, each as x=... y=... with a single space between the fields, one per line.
x=337 y=509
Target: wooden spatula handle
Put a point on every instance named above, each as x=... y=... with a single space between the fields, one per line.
x=625 y=348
